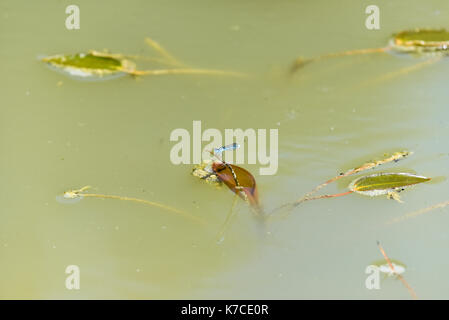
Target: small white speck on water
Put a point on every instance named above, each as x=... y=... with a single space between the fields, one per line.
x=163 y=227
x=53 y=246
x=235 y=27
x=5 y=245
x=116 y=227
x=27 y=92
x=137 y=270
x=221 y=240
x=280 y=275
x=354 y=110
x=332 y=128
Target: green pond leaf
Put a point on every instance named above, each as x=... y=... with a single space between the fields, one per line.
x=385 y=183
x=421 y=40
x=423 y=35
x=86 y=61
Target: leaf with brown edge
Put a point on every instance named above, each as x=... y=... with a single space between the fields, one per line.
x=244 y=186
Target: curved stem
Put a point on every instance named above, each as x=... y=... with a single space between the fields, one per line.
x=419 y=212
x=77 y=194
x=400 y=72
x=164 y=53
x=301 y=62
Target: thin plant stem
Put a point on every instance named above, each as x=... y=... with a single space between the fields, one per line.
x=228 y=220
x=150 y=59
x=187 y=71
x=326 y=196
x=405 y=283
x=368 y=165
x=157 y=47
x=78 y=194
x=400 y=72
x=419 y=212
x=300 y=62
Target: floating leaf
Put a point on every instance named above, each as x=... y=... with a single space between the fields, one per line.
x=239 y=180
x=95 y=64
x=407 y=41
x=385 y=183
x=90 y=65
x=421 y=40
x=397 y=156
x=86 y=61
x=384 y=267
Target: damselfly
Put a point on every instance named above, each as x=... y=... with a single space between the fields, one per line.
x=233 y=146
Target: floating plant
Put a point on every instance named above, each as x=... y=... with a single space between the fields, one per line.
x=79 y=194
x=396 y=271
x=384 y=267
x=395 y=157
x=419 y=42
x=92 y=65
x=237 y=179
x=389 y=184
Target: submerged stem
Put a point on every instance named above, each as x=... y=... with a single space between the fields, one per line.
x=402 y=71
x=419 y=212
x=228 y=220
x=77 y=194
x=301 y=62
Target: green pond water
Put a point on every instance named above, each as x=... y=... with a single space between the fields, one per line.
x=58 y=133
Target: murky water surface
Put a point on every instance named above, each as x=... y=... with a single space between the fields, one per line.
x=57 y=133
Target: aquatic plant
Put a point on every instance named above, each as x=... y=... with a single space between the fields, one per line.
x=389 y=184
x=240 y=181
x=430 y=42
x=80 y=193
x=237 y=179
x=103 y=65
x=419 y=212
x=384 y=267
x=396 y=272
